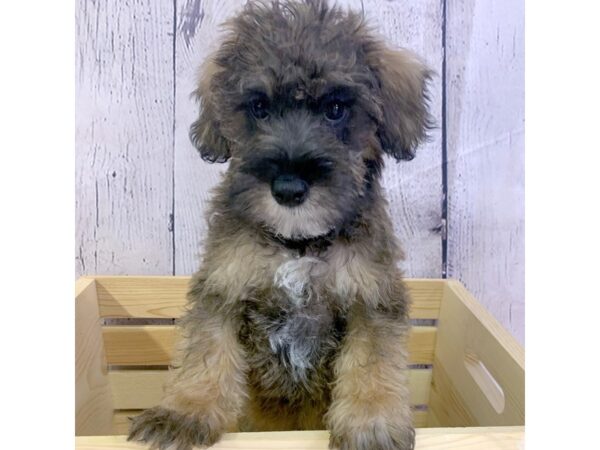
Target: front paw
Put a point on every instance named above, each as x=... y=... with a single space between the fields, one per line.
x=164 y=428
x=374 y=437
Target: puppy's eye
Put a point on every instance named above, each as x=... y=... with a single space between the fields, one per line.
x=335 y=111
x=259 y=108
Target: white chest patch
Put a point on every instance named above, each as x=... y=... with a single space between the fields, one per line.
x=298 y=277
x=299 y=338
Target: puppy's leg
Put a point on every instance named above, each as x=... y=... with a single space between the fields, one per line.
x=205 y=395
x=370 y=407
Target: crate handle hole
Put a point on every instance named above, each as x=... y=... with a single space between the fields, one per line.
x=486 y=381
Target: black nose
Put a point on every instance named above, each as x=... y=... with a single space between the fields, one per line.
x=289 y=190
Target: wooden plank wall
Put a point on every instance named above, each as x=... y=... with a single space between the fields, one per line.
x=124 y=136
x=485 y=153
x=142 y=190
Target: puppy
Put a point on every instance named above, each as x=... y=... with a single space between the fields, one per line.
x=298 y=317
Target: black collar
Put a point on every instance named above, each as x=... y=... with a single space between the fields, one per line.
x=315 y=244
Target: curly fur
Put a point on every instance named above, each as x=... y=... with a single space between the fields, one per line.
x=297 y=317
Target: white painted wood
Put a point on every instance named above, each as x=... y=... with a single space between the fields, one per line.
x=414 y=188
x=485 y=119
x=124 y=137
x=198 y=31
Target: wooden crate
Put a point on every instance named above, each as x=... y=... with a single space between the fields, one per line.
x=467 y=373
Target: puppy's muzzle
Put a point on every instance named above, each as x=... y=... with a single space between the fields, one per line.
x=289 y=190
x=290 y=177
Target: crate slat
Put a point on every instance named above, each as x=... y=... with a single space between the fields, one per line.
x=420 y=385
x=147 y=297
x=140 y=344
x=462 y=394
x=454 y=392
x=121 y=420
x=154 y=344
x=137 y=389
x=419 y=419
x=93 y=400
x=421 y=345
x=165 y=297
x=426 y=295
x=141 y=389
x=492 y=438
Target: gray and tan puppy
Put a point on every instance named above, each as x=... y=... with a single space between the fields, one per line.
x=297 y=318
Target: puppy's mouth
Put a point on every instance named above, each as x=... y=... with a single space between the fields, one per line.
x=296 y=212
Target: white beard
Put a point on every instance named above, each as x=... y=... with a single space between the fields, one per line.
x=300 y=222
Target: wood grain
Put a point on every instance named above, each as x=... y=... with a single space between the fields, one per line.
x=426 y=296
x=141 y=389
x=446 y=406
x=144 y=297
x=121 y=420
x=467 y=332
x=165 y=297
x=143 y=345
x=494 y=438
x=93 y=399
x=485 y=135
x=124 y=137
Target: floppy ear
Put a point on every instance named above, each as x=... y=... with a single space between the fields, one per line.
x=205 y=132
x=405 y=118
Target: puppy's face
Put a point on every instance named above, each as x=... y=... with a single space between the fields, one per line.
x=304 y=101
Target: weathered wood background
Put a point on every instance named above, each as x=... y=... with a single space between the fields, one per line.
x=142 y=189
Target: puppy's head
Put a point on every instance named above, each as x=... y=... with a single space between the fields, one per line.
x=304 y=100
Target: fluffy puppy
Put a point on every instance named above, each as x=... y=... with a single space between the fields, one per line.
x=298 y=317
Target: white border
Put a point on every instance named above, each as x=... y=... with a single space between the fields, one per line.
x=37 y=223
x=562 y=243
